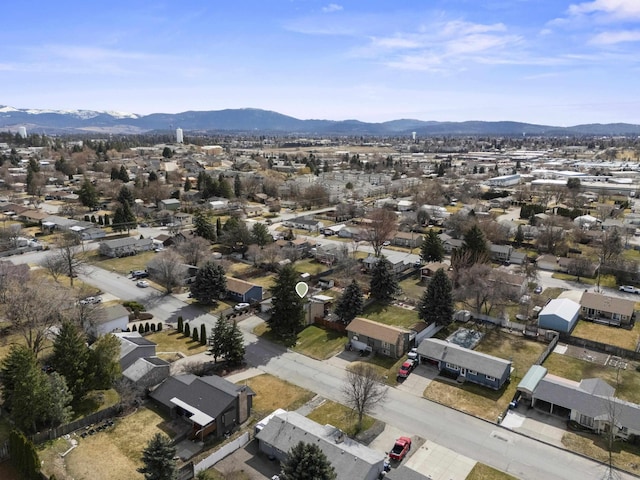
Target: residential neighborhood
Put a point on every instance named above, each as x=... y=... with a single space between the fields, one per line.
x=192 y=292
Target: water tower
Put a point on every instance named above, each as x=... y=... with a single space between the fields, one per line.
x=179 y=137
x=22 y=131
x=413 y=135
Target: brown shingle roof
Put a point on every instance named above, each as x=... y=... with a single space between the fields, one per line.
x=238 y=286
x=379 y=331
x=604 y=303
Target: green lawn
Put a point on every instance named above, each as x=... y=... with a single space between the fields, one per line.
x=385 y=366
x=273 y=393
x=339 y=416
x=576 y=369
x=173 y=341
x=391 y=315
x=310 y=265
x=125 y=264
x=318 y=343
x=95 y=401
x=412 y=288
x=484 y=472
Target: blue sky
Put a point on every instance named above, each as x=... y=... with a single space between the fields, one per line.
x=552 y=62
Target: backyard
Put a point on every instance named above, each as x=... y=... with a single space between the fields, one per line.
x=575 y=369
x=481 y=401
x=391 y=315
x=112 y=453
x=122 y=265
x=412 y=288
x=620 y=337
x=174 y=341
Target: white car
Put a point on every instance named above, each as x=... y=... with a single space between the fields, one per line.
x=241 y=306
x=142 y=284
x=628 y=289
x=386 y=243
x=90 y=300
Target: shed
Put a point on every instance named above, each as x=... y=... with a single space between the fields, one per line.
x=560 y=314
x=531 y=379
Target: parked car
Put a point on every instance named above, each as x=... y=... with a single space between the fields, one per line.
x=90 y=300
x=386 y=243
x=142 y=284
x=413 y=354
x=400 y=449
x=139 y=274
x=538 y=290
x=406 y=368
x=628 y=289
x=241 y=306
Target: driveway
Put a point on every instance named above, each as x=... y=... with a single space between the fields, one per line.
x=418 y=380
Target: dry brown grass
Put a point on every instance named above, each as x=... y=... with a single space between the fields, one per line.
x=339 y=416
x=619 y=337
x=107 y=455
x=273 y=393
x=625 y=456
x=125 y=264
x=484 y=472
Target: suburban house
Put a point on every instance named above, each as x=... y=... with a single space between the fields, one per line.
x=212 y=404
x=500 y=253
x=109 y=319
x=304 y=223
x=124 y=247
x=512 y=284
x=241 y=291
x=138 y=360
x=427 y=271
x=386 y=340
x=560 y=314
x=171 y=204
x=590 y=403
x=397 y=263
x=604 y=309
x=407 y=239
x=349 y=458
x=467 y=365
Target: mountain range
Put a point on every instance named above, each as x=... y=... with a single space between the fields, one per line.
x=256 y=121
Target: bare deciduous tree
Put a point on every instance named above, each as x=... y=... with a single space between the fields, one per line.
x=195 y=250
x=363 y=389
x=168 y=269
x=380 y=229
x=68 y=259
x=35 y=310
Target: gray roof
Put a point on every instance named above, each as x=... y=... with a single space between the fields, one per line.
x=591 y=397
x=126 y=241
x=143 y=366
x=404 y=473
x=349 y=458
x=304 y=221
x=211 y=395
x=112 y=312
x=463 y=357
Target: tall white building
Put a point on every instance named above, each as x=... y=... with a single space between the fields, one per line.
x=22 y=131
x=179 y=137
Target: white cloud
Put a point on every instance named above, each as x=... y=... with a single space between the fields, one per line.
x=612 y=38
x=331 y=8
x=618 y=9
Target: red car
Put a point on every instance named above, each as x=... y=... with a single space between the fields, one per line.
x=406 y=368
x=400 y=449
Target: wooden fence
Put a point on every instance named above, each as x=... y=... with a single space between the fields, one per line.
x=600 y=347
x=57 y=432
x=329 y=325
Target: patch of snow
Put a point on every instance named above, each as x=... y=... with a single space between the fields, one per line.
x=7 y=109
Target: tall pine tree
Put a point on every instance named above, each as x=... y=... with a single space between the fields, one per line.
x=287 y=313
x=210 y=284
x=432 y=249
x=350 y=304
x=306 y=461
x=383 y=285
x=71 y=360
x=158 y=459
x=436 y=304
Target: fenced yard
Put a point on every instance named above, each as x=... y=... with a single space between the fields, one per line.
x=109 y=454
x=391 y=315
x=619 y=337
x=481 y=401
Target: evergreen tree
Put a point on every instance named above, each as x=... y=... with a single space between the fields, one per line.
x=203 y=226
x=115 y=173
x=203 y=334
x=218 y=338
x=210 y=284
x=194 y=335
x=23 y=455
x=519 y=238
x=218 y=226
x=123 y=218
x=187 y=330
x=158 y=459
x=88 y=194
x=224 y=189
x=187 y=184
x=180 y=327
x=59 y=400
x=432 y=249
x=260 y=234
x=383 y=285
x=153 y=176
x=15 y=366
x=167 y=152
x=350 y=304
x=125 y=196
x=31 y=400
x=306 y=461
x=123 y=174
x=475 y=245
x=237 y=186
x=105 y=361
x=287 y=313
x=234 y=345
x=436 y=304
x=71 y=359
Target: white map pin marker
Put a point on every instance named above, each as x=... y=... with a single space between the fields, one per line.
x=302 y=289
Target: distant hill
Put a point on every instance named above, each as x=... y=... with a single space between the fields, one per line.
x=252 y=120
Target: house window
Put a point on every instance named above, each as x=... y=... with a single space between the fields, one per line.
x=453 y=367
x=472 y=372
x=586 y=421
x=491 y=379
x=386 y=346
